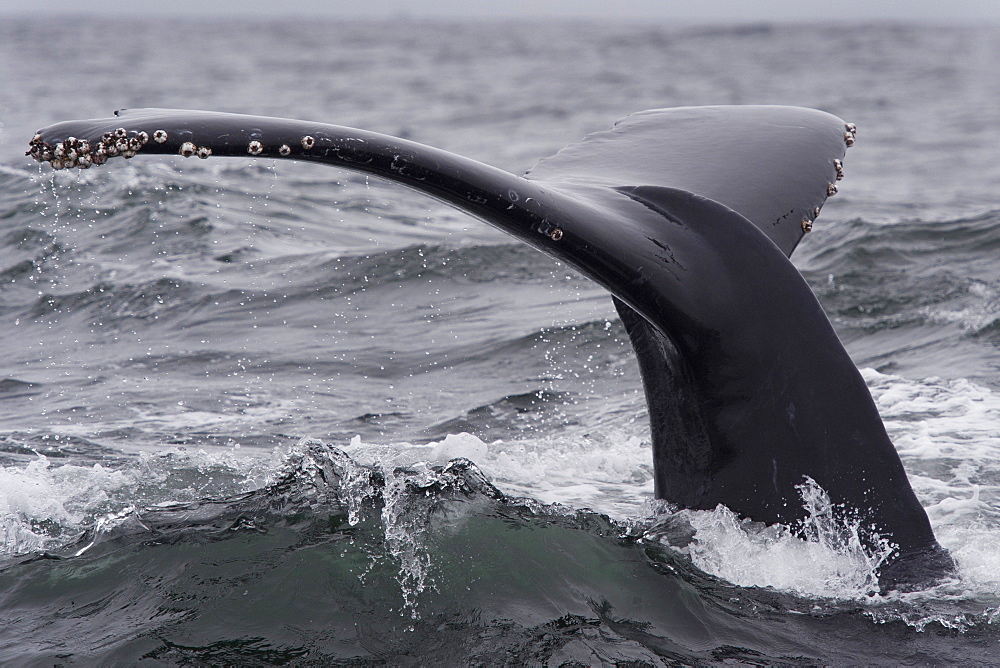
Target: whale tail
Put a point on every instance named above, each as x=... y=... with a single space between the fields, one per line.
x=687 y=216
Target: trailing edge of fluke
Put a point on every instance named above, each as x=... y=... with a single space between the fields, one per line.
x=687 y=216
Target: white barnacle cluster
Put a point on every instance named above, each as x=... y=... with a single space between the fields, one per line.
x=850 y=133
x=189 y=148
x=82 y=153
x=807 y=223
x=839 y=166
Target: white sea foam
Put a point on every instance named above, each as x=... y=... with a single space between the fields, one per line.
x=609 y=472
x=936 y=418
x=946 y=432
x=948 y=435
x=752 y=555
x=48 y=504
x=42 y=505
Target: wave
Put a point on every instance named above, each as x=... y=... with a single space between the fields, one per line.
x=333 y=560
x=915 y=297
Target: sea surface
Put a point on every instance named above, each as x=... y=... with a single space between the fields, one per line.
x=264 y=413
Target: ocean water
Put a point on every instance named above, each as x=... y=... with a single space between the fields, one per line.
x=260 y=413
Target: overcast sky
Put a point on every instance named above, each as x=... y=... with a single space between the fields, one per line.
x=714 y=11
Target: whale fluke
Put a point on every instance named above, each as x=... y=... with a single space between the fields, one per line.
x=774 y=165
x=687 y=216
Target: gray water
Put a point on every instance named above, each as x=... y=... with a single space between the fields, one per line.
x=174 y=330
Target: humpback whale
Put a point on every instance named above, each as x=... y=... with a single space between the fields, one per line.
x=687 y=217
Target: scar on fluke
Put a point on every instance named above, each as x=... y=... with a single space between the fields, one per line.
x=749 y=390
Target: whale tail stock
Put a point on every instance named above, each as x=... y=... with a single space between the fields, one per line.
x=687 y=216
